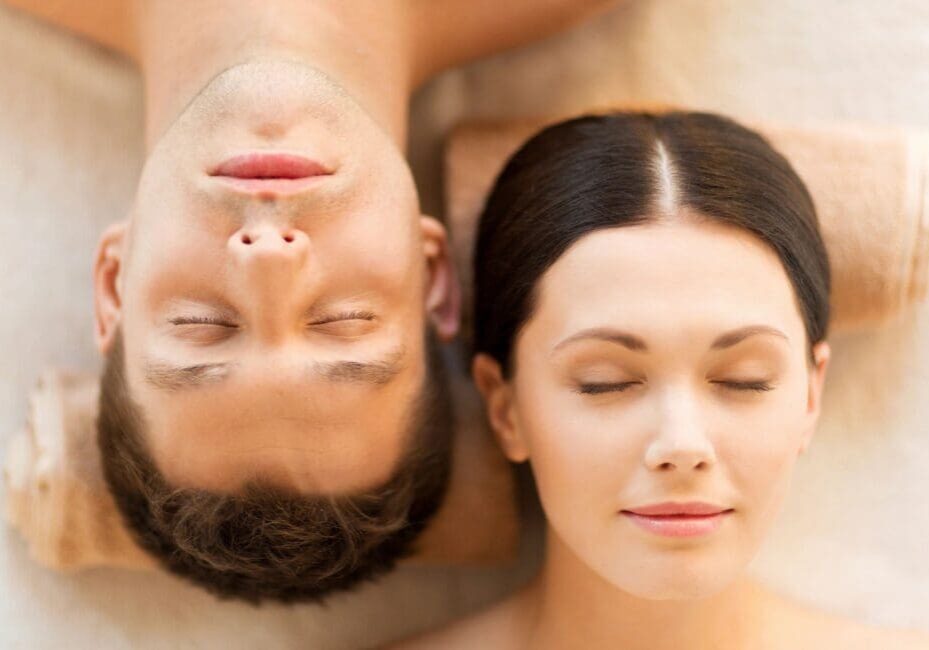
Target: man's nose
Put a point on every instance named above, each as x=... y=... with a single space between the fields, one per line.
x=266 y=243
x=681 y=440
x=269 y=263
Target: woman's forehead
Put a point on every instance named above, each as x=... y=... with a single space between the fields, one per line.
x=676 y=255
x=668 y=274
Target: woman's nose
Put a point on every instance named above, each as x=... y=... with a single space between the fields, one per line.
x=681 y=441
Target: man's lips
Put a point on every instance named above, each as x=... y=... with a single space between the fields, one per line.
x=269 y=165
x=271 y=173
x=678 y=519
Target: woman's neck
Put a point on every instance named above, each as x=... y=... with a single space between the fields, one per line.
x=363 y=46
x=576 y=608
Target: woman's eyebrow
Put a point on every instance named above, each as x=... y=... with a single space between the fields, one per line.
x=636 y=344
x=732 y=337
x=608 y=334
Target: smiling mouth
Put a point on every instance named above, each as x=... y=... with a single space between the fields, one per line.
x=270 y=173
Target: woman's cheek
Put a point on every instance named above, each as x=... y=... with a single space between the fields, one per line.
x=760 y=456
x=557 y=449
x=578 y=455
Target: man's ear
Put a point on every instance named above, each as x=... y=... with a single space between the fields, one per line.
x=443 y=294
x=107 y=285
x=498 y=400
x=817 y=378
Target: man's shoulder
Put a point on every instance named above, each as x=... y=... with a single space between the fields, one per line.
x=105 y=22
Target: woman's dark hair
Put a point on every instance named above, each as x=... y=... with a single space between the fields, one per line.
x=622 y=169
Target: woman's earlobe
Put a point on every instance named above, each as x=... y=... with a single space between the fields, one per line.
x=443 y=293
x=498 y=402
x=822 y=353
x=107 y=290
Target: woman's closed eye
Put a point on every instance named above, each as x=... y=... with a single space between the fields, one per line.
x=757 y=385
x=598 y=388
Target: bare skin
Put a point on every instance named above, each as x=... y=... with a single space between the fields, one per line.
x=345 y=273
x=784 y=625
x=381 y=51
x=667 y=422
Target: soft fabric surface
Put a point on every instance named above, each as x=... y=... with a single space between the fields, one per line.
x=57 y=498
x=851 y=539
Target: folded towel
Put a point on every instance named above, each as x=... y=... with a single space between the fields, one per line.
x=870 y=186
x=57 y=498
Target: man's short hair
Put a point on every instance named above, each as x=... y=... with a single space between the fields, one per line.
x=267 y=543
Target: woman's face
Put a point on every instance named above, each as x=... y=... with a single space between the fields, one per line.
x=667 y=364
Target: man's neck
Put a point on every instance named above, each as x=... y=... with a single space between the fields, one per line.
x=576 y=608
x=363 y=46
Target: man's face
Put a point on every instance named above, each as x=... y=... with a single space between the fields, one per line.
x=274 y=326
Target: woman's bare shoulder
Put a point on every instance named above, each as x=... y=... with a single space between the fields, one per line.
x=500 y=627
x=800 y=626
x=854 y=635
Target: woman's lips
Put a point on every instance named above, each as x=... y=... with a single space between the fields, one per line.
x=273 y=173
x=678 y=519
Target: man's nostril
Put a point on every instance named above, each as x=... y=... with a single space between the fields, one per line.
x=246 y=240
x=289 y=238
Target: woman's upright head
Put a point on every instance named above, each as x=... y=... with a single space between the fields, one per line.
x=651 y=307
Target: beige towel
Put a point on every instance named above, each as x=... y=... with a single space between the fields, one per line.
x=870 y=186
x=57 y=498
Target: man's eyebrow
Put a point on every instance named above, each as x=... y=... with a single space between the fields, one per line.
x=636 y=344
x=166 y=376
x=378 y=372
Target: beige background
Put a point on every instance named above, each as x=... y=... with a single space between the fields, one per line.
x=852 y=537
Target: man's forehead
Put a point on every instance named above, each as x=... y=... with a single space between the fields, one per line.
x=328 y=439
x=308 y=456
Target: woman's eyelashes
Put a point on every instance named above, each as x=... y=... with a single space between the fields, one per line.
x=599 y=388
x=757 y=386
